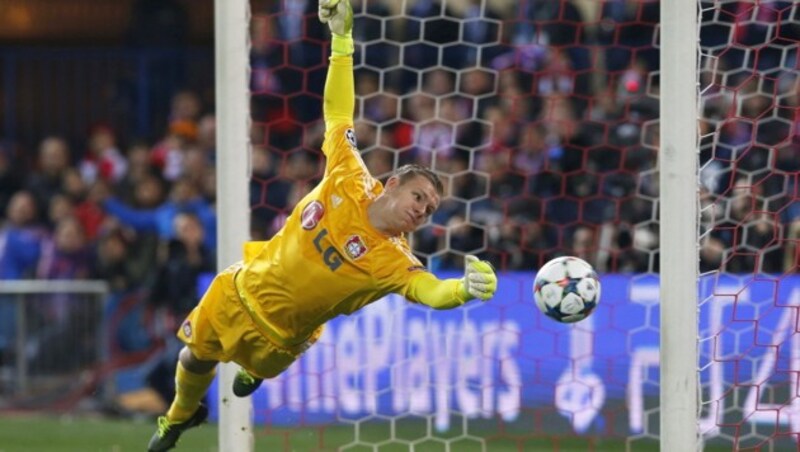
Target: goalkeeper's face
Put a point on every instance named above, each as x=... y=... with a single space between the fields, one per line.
x=409 y=204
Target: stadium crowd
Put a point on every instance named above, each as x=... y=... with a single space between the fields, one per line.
x=543 y=124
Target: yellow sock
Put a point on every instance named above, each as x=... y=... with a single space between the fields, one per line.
x=189 y=390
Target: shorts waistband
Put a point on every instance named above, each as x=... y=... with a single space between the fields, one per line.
x=262 y=325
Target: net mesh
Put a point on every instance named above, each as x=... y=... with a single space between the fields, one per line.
x=748 y=253
x=541 y=117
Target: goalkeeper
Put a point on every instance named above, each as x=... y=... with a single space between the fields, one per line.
x=342 y=248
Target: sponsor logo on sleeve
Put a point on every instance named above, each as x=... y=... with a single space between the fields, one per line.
x=355 y=247
x=311 y=215
x=187 y=328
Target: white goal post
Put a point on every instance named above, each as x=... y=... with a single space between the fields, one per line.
x=678 y=225
x=232 y=71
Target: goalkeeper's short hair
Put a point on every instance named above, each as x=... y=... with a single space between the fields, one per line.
x=412 y=170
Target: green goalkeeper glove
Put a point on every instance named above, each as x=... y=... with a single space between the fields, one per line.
x=479 y=279
x=338 y=14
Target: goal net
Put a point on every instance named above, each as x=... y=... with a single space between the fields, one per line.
x=542 y=117
x=749 y=355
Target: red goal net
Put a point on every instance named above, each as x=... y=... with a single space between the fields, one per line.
x=749 y=359
x=542 y=118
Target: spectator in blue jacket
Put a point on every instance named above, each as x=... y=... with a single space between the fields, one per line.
x=183 y=198
x=21 y=238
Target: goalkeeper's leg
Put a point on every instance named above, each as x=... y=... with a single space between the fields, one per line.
x=192 y=379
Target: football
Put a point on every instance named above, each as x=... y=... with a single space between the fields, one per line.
x=566 y=289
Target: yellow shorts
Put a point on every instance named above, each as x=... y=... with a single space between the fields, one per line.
x=220 y=329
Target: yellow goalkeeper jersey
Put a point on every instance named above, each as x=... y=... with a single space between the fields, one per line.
x=327 y=260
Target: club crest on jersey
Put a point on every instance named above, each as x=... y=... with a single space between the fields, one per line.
x=350 y=134
x=311 y=215
x=354 y=247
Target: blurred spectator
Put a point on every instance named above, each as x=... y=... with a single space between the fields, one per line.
x=185 y=107
x=380 y=162
x=197 y=167
x=102 y=159
x=65 y=255
x=169 y=153
x=504 y=244
x=21 y=241
x=266 y=52
x=381 y=108
x=207 y=135
x=712 y=252
x=267 y=193
x=464 y=237
x=530 y=157
x=116 y=263
x=583 y=244
x=182 y=260
x=502 y=134
x=557 y=75
x=289 y=32
x=11 y=178
x=61 y=207
x=621 y=43
x=89 y=211
x=64 y=340
x=791 y=258
x=481 y=36
x=537 y=243
x=183 y=198
x=21 y=238
x=140 y=168
x=438 y=82
x=175 y=288
x=73 y=185
x=48 y=178
x=434 y=134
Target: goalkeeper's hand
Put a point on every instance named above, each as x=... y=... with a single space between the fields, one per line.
x=479 y=279
x=338 y=14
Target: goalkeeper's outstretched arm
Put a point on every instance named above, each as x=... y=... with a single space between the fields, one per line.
x=479 y=282
x=339 y=95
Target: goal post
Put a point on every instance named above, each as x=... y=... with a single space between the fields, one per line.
x=232 y=71
x=678 y=230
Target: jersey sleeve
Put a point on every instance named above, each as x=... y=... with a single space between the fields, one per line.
x=339 y=98
x=340 y=147
x=427 y=289
x=409 y=278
